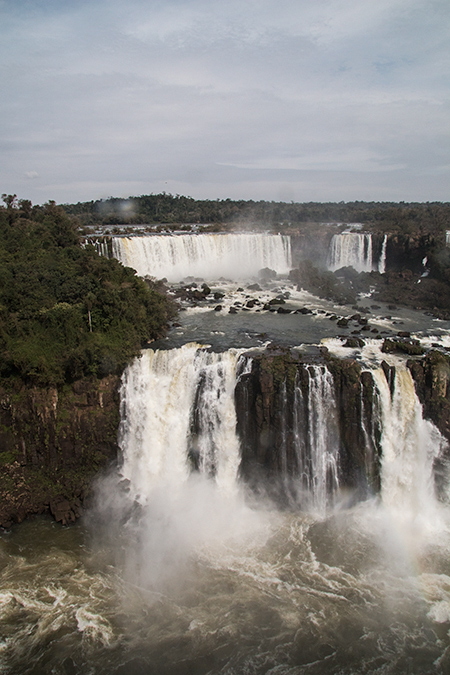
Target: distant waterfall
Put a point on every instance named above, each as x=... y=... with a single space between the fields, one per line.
x=382 y=261
x=208 y=256
x=353 y=249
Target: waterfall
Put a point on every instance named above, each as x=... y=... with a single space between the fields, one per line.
x=209 y=256
x=351 y=249
x=316 y=438
x=410 y=445
x=178 y=413
x=382 y=261
x=323 y=437
x=179 y=417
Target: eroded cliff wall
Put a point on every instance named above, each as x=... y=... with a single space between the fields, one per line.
x=52 y=444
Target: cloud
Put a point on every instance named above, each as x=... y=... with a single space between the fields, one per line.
x=225 y=99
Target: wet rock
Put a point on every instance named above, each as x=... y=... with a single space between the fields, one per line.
x=342 y=323
x=232 y=310
x=283 y=310
x=218 y=308
x=266 y=274
x=218 y=295
x=254 y=287
x=354 y=343
x=410 y=347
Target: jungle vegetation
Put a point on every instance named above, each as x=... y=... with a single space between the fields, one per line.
x=430 y=218
x=66 y=312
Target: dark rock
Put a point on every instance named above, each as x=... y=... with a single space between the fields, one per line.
x=218 y=308
x=232 y=310
x=405 y=347
x=218 y=295
x=254 y=287
x=266 y=274
x=354 y=343
x=342 y=323
x=283 y=310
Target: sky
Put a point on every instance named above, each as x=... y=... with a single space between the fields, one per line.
x=284 y=100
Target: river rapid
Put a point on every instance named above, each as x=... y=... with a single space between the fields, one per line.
x=269 y=592
x=175 y=572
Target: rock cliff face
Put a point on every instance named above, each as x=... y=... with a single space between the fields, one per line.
x=52 y=443
x=432 y=382
x=279 y=422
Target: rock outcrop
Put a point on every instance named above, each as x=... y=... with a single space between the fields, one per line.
x=273 y=404
x=53 y=442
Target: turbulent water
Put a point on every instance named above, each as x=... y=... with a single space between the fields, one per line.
x=178 y=569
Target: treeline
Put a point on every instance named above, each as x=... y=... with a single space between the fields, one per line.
x=66 y=312
x=407 y=218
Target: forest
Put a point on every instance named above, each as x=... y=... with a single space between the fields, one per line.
x=407 y=218
x=65 y=312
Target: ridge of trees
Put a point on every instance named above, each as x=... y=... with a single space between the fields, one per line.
x=407 y=218
x=65 y=311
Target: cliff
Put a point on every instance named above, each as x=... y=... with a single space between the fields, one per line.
x=281 y=396
x=53 y=442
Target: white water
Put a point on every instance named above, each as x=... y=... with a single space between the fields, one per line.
x=203 y=583
x=352 y=249
x=208 y=256
x=410 y=446
x=316 y=440
x=165 y=393
x=382 y=261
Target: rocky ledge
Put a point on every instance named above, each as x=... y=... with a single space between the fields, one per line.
x=53 y=443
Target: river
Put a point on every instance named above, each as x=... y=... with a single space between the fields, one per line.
x=177 y=572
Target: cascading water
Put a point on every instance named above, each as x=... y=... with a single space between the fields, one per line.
x=316 y=439
x=323 y=437
x=209 y=256
x=196 y=579
x=351 y=249
x=410 y=446
x=382 y=261
x=178 y=411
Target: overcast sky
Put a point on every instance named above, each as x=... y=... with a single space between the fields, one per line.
x=303 y=100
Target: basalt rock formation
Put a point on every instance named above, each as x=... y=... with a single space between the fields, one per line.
x=432 y=382
x=53 y=443
x=279 y=414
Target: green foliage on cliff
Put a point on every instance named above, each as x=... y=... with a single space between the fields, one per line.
x=66 y=312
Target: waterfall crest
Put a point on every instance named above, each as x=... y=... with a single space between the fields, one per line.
x=209 y=256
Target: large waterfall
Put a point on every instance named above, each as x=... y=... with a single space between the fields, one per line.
x=188 y=568
x=209 y=256
x=355 y=249
x=179 y=415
